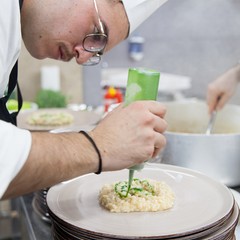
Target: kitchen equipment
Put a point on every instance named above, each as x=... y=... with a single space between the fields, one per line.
x=172 y=86
x=142 y=84
x=218 y=154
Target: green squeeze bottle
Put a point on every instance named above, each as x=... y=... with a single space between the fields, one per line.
x=142 y=84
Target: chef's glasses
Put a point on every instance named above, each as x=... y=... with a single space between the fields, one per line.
x=95 y=42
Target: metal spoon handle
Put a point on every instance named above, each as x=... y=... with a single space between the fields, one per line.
x=211 y=122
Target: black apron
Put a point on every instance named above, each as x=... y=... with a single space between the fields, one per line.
x=4 y=113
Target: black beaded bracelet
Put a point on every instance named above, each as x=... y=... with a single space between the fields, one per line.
x=97 y=150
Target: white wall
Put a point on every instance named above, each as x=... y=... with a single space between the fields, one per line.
x=29 y=77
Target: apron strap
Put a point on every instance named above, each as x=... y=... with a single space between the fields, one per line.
x=20 y=3
x=4 y=113
x=12 y=84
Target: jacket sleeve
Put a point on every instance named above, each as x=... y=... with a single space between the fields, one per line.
x=15 y=144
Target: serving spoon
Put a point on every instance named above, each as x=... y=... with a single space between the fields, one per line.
x=211 y=122
x=212 y=119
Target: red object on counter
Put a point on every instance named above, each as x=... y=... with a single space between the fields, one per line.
x=112 y=96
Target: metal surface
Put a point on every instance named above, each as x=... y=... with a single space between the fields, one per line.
x=218 y=154
x=211 y=122
x=33 y=227
x=9 y=220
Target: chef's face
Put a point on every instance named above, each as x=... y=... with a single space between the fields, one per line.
x=58 y=31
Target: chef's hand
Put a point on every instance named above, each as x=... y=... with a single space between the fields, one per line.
x=223 y=88
x=125 y=137
x=130 y=135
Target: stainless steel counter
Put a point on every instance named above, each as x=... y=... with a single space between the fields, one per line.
x=32 y=226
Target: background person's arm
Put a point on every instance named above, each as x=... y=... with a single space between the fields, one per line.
x=223 y=88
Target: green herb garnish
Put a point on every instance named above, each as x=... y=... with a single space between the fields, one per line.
x=138 y=188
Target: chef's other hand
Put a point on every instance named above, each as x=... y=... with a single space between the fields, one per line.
x=130 y=135
x=223 y=88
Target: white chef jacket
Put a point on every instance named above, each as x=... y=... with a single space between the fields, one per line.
x=15 y=143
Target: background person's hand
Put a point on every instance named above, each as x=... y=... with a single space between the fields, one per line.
x=130 y=135
x=223 y=88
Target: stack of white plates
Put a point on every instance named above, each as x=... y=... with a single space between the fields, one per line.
x=203 y=209
x=39 y=204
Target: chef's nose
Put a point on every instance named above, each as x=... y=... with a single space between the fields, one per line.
x=81 y=55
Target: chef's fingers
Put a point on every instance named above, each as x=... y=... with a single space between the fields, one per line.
x=159 y=146
x=216 y=102
x=160 y=142
x=156 y=108
x=221 y=101
x=213 y=96
x=156 y=152
x=160 y=125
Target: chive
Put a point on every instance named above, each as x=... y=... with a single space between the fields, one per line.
x=137 y=187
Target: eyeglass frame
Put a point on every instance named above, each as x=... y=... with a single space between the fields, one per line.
x=102 y=33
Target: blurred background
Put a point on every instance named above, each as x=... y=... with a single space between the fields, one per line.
x=190 y=42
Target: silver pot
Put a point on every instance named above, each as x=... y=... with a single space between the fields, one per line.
x=216 y=155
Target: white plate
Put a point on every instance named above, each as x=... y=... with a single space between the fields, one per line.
x=236 y=195
x=79 y=118
x=228 y=226
x=201 y=203
x=237 y=199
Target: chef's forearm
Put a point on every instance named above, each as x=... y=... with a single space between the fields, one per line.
x=53 y=158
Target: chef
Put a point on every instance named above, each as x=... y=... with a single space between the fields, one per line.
x=84 y=30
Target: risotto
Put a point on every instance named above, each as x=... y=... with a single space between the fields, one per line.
x=50 y=118
x=144 y=196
